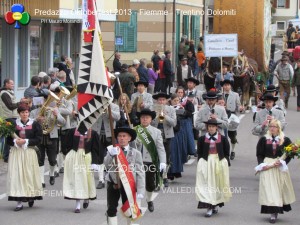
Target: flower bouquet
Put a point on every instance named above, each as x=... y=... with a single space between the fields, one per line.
x=6 y=129
x=291 y=151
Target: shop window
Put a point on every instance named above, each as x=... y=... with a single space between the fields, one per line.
x=58 y=30
x=34 y=34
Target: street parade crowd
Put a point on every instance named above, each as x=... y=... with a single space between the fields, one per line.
x=158 y=127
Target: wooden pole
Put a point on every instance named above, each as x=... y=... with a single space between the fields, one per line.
x=114 y=142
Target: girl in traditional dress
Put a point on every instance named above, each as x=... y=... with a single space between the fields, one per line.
x=83 y=154
x=23 y=177
x=212 y=178
x=124 y=102
x=276 y=191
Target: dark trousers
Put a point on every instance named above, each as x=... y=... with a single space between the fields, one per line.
x=157 y=85
x=163 y=86
x=169 y=80
x=232 y=136
x=298 y=96
x=49 y=147
x=150 y=170
x=167 y=146
x=113 y=196
x=6 y=146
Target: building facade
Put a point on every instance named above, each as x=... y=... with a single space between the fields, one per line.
x=153 y=25
x=285 y=10
x=54 y=30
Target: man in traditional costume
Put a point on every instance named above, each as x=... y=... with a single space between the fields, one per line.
x=264 y=116
x=150 y=143
x=233 y=104
x=165 y=121
x=127 y=180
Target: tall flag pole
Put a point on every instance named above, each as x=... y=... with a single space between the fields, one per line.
x=94 y=93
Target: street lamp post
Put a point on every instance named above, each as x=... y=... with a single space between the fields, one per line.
x=297 y=9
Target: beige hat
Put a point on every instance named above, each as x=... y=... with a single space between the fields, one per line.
x=42 y=74
x=135 y=62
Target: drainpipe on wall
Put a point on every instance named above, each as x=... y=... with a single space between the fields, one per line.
x=204 y=20
x=165 y=26
x=297 y=9
x=173 y=36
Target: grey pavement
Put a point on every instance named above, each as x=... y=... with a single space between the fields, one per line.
x=177 y=204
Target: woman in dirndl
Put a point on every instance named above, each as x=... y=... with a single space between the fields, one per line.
x=23 y=177
x=212 y=178
x=83 y=154
x=276 y=191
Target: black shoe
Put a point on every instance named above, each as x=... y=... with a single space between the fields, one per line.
x=166 y=182
x=19 y=208
x=5 y=160
x=61 y=170
x=100 y=185
x=85 y=204
x=56 y=174
x=232 y=155
x=150 y=206
x=43 y=185
x=215 y=210
x=30 y=203
x=77 y=211
x=52 y=180
x=272 y=220
x=196 y=155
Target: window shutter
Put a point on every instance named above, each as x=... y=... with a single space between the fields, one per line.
x=177 y=32
x=275 y=3
x=195 y=30
x=129 y=33
x=287 y=4
x=185 y=27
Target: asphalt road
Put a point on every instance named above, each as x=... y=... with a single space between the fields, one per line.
x=175 y=205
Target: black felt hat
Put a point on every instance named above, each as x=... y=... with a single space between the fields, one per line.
x=127 y=130
x=160 y=95
x=141 y=82
x=192 y=79
x=212 y=122
x=146 y=112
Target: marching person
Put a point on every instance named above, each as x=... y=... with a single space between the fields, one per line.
x=140 y=100
x=182 y=143
x=125 y=111
x=283 y=75
x=212 y=169
x=8 y=107
x=211 y=111
x=296 y=83
x=66 y=107
x=82 y=153
x=264 y=116
x=49 y=143
x=276 y=191
x=23 y=176
x=102 y=127
x=165 y=121
x=279 y=104
x=150 y=143
x=134 y=159
x=233 y=104
x=191 y=89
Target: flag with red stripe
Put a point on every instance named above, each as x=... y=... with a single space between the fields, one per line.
x=94 y=93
